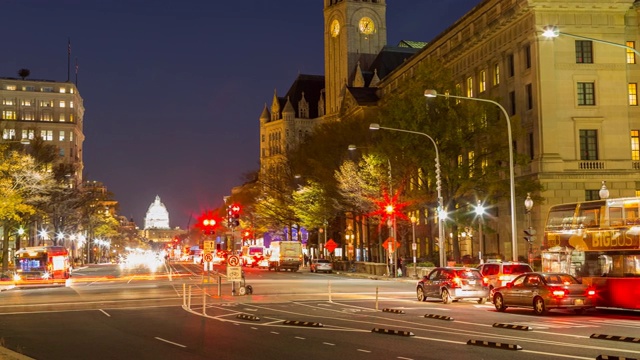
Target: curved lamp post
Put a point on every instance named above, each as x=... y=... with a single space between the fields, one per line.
x=480 y=213
x=551 y=32
x=528 y=205
x=441 y=212
x=514 y=244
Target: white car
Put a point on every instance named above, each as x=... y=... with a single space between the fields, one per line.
x=323 y=265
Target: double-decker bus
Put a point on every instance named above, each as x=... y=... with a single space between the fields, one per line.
x=599 y=242
x=41 y=263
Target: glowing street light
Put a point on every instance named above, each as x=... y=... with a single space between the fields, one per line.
x=480 y=213
x=442 y=214
x=514 y=244
x=551 y=32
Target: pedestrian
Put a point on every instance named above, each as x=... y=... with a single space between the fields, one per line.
x=306 y=260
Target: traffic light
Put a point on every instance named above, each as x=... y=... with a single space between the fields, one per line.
x=529 y=235
x=208 y=223
x=233 y=219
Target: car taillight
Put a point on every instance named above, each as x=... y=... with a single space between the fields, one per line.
x=560 y=293
x=591 y=292
x=485 y=281
x=457 y=281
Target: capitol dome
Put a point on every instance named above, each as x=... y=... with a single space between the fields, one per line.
x=157 y=216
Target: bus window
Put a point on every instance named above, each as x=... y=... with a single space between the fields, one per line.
x=615 y=216
x=560 y=218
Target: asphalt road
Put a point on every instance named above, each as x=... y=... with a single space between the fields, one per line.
x=108 y=313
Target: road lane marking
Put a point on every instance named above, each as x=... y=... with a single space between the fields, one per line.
x=104 y=312
x=330 y=344
x=364 y=351
x=300 y=338
x=275 y=332
x=171 y=342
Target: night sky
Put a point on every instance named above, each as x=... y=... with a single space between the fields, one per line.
x=173 y=89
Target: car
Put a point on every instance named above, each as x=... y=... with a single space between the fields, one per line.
x=544 y=291
x=323 y=265
x=500 y=273
x=453 y=283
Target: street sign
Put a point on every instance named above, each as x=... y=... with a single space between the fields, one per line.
x=208 y=257
x=233 y=260
x=209 y=246
x=234 y=273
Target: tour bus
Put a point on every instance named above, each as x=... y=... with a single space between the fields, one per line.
x=599 y=242
x=252 y=255
x=41 y=264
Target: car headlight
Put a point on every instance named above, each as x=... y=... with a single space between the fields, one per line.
x=17 y=277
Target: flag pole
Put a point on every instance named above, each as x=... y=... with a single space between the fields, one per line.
x=76 y=72
x=68 y=58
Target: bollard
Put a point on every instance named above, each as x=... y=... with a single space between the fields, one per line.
x=189 y=299
x=219 y=286
x=376 y=298
x=170 y=272
x=204 y=301
x=329 y=282
x=184 y=295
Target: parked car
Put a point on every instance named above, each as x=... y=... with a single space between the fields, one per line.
x=544 y=291
x=500 y=273
x=323 y=265
x=453 y=283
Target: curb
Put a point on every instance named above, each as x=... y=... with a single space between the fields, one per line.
x=496 y=345
x=393 y=311
x=302 y=323
x=615 y=338
x=248 y=317
x=607 y=357
x=392 y=332
x=439 y=317
x=512 y=327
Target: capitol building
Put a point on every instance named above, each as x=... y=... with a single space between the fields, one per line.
x=156 y=223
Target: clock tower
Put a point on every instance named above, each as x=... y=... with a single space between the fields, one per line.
x=355 y=31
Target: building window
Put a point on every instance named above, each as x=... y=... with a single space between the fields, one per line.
x=46 y=135
x=47 y=89
x=10 y=87
x=7 y=102
x=482 y=83
x=527 y=56
x=511 y=65
x=70 y=136
x=28 y=115
x=61 y=136
x=70 y=117
x=63 y=90
x=496 y=74
x=469 y=86
x=46 y=117
x=62 y=118
x=472 y=164
x=71 y=104
x=531 y=146
x=586 y=93
x=8 y=115
x=529 y=91
x=584 y=52
x=635 y=145
x=633 y=94
x=631 y=55
x=62 y=103
x=588 y=144
x=24 y=102
x=458 y=92
x=46 y=103
x=512 y=102
x=9 y=134
x=591 y=195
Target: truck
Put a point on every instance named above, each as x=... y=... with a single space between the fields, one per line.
x=285 y=255
x=252 y=255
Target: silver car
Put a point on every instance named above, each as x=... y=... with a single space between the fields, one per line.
x=453 y=283
x=323 y=265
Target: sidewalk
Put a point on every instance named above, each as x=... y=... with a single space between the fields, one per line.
x=6 y=354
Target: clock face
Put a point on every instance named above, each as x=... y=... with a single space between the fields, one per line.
x=366 y=26
x=335 y=28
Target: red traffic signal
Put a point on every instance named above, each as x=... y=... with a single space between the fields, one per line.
x=208 y=222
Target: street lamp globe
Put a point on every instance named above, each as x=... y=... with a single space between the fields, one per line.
x=528 y=202
x=479 y=208
x=604 y=192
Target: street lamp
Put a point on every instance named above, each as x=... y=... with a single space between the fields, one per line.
x=604 y=192
x=480 y=212
x=413 y=246
x=514 y=244
x=551 y=32
x=441 y=211
x=528 y=205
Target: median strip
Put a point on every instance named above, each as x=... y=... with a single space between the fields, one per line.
x=392 y=332
x=615 y=338
x=496 y=345
x=248 y=317
x=612 y=357
x=302 y=323
x=439 y=317
x=393 y=311
x=512 y=327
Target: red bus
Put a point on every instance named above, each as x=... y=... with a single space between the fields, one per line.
x=599 y=242
x=41 y=263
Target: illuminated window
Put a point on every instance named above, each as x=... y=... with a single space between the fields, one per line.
x=471 y=162
x=496 y=74
x=70 y=117
x=63 y=90
x=586 y=93
x=7 y=102
x=631 y=55
x=62 y=104
x=28 y=134
x=71 y=104
x=584 y=52
x=8 y=134
x=484 y=164
x=10 y=87
x=46 y=135
x=70 y=136
x=469 y=86
x=46 y=117
x=62 y=118
x=29 y=88
x=482 y=82
x=8 y=114
x=635 y=145
x=61 y=136
x=28 y=115
x=633 y=94
x=24 y=102
x=46 y=103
